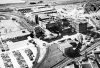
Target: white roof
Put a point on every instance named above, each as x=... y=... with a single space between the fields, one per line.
x=15 y=34
x=11 y=1
x=70 y=66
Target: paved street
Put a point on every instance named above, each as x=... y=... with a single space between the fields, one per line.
x=69 y=60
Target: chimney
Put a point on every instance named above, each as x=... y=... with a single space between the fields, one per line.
x=36 y=19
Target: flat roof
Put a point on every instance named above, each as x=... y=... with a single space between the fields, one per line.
x=15 y=34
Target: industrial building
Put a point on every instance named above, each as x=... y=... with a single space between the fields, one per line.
x=39 y=34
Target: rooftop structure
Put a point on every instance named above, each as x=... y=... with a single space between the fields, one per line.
x=15 y=44
x=7 y=26
x=15 y=34
x=70 y=66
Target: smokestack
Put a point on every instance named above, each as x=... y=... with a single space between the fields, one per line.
x=36 y=19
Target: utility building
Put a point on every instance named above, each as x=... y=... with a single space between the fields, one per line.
x=80 y=26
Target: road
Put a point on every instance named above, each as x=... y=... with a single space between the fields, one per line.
x=39 y=65
x=54 y=58
x=65 y=61
x=69 y=60
x=54 y=55
x=21 y=20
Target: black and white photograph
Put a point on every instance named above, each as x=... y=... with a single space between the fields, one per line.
x=49 y=33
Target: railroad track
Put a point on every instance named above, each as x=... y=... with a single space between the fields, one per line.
x=67 y=60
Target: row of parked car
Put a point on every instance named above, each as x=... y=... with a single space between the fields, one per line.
x=4 y=47
x=20 y=59
x=7 y=61
x=29 y=54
